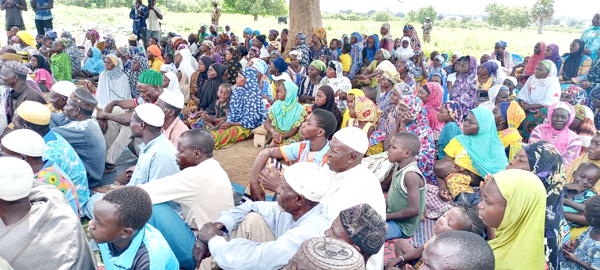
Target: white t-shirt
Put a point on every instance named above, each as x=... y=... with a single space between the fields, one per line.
x=152 y=21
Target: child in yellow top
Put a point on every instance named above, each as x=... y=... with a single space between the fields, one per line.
x=345 y=58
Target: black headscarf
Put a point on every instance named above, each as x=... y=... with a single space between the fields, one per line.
x=330 y=104
x=42 y=62
x=233 y=67
x=571 y=67
x=202 y=77
x=208 y=94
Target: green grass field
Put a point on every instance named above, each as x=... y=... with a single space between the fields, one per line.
x=473 y=40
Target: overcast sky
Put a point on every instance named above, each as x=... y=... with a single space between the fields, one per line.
x=573 y=8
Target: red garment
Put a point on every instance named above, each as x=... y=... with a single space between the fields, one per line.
x=432 y=106
x=535 y=60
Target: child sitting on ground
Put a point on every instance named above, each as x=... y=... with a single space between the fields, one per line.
x=41 y=72
x=46 y=49
x=450 y=114
x=576 y=194
x=168 y=66
x=404 y=209
x=584 y=252
x=346 y=59
x=456 y=179
x=365 y=115
x=221 y=108
x=125 y=239
x=461 y=217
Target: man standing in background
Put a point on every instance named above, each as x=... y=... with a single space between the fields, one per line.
x=427 y=27
x=43 y=15
x=216 y=14
x=139 y=14
x=154 y=14
x=13 y=14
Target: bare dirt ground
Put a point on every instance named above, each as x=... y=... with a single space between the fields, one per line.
x=237 y=160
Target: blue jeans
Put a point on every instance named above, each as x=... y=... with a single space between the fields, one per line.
x=180 y=237
x=394 y=231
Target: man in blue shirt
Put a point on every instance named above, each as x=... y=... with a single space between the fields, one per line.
x=125 y=240
x=43 y=15
x=139 y=14
x=317 y=129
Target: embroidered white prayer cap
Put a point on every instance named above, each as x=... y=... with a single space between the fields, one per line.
x=354 y=138
x=64 y=88
x=306 y=180
x=172 y=98
x=150 y=114
x=16 y=179
x=26 y=142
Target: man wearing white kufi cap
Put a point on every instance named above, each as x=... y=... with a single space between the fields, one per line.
x=38 y=230
x=157 y=153
x=352 y=183
x=59 y=93
x=275 y=229
x=172 y=103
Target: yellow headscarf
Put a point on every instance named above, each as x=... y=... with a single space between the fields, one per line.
x=356 y=93
x=27 y=38
x=366 y=110
x=321 y=34
x=519 y=242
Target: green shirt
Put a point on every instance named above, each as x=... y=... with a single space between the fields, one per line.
x=398 y=199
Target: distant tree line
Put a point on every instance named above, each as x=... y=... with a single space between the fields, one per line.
x=171 y=5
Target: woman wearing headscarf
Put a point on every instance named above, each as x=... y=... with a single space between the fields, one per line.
x=574 y=95
x=340 y=84
x=300 y=45
x=594 y=105
x=155 y=59
x=325 y=100
x=387 y=40
x=464 y=90
x=351 y=96
x=233 y=65
x=246 y=111
x=537 y=94
x=366 y=116
x=453 y=59
x=508 y=116
x=285 y=116
x=208 y=94
x=539 y=51
x=309 y=83
x=107 y=47
x=405 y=51
x=514 y=206
x=93 y=66
x=368 y=74
x=412 y=118
x=113 y=84
x=356 y=54
x=501 y=54
x=488 y=76
x=409 y=31
x=184 y=72
x=123 y=53
x=23 y=44
x=405 y=69
x=207 y=49
x=170 y=83
x=319 y=44
x=368 y=53
x=139 y=64
x=41 y=72
x=60 y=61
x=497 y=94
x=478 y=151
x=432 y=94
x=420 y=70
x=92 y=38
x=438 y=64
x=440 y=78
x=297 y=72
x=73 y=52
x=387 y=81
x=591 y=37
x=583 y=125
x=557 y=132
x=552 y=53
x=543 y=160
x=576 y=65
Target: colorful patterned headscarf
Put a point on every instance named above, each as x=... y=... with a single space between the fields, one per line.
x=501 y=43
x=512 y=113
x=385 y=53
x=366 y=110
x=579 y=95
x=321 y=34
x=432 y=106
x=455 y=111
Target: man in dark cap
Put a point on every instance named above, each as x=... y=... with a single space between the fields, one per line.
x=118 y=132
x=84 y=134
x=15 y=75
x=362 y=227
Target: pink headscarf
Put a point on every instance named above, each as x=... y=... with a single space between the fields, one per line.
x=535 y=59
x=559 y=138
x=436 y=94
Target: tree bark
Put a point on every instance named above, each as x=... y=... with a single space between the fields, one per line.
x=255 y=17
x=305 y=17
x=540 y=27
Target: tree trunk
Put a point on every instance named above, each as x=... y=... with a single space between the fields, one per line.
x=255 y=17
x=305 y=17
x=540 y=27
